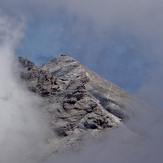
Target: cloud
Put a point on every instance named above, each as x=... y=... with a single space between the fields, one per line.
x=22 y=128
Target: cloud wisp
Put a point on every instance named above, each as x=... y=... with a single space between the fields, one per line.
x=22 y=128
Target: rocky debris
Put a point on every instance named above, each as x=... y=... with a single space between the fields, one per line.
x=70 y=106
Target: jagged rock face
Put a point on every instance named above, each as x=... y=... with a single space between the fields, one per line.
x=37 y=79
x=77 y=99
x=111 y=97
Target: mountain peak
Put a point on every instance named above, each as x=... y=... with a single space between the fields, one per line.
x=77 y=100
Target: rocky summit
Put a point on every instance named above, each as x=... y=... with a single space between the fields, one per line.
x=76 y=99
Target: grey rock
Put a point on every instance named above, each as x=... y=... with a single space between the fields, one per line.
x=80 y=105
x=110 y=96
x=77 y=101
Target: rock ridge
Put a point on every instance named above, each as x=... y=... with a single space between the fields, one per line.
x=65 y=87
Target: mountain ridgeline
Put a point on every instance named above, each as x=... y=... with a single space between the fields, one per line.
x=63 y=106
x=77 y=101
